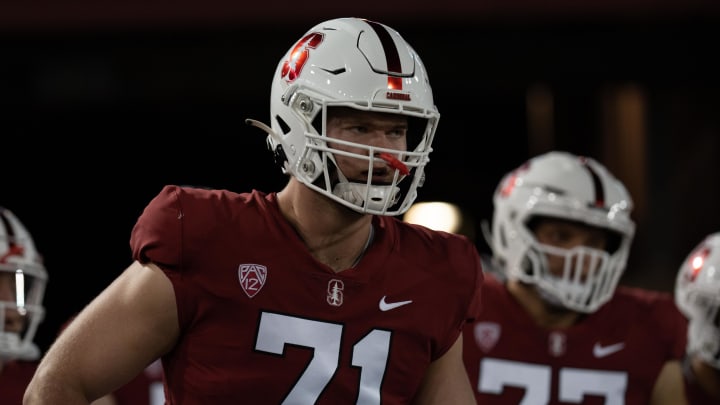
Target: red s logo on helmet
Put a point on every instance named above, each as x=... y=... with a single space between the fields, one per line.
x=510 y=182
x=293 y=66
x=14 y=250
x=697 y=261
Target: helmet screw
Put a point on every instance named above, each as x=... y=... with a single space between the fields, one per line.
x=304 y=104
x=308 y=166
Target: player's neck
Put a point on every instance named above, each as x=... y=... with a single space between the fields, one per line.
x=707 y=377
x=333 y=235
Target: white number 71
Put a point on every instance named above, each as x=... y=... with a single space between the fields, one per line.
x=370 y=354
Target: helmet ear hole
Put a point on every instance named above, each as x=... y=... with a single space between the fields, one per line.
x=279 y=156
x=284 y=127
x=526 y=265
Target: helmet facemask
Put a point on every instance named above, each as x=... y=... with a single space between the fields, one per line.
x=22 y=288
x=21 y=311
x=362 y=194
x=587 y=280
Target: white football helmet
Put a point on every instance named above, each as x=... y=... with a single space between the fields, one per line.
x=22 y=287
x=575 y=188
x=361 y=64
x=697 y=295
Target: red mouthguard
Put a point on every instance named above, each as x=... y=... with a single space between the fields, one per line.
x=394 y=163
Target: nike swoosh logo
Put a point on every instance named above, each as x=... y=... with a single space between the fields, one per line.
x=386 y=306
x=603 y=351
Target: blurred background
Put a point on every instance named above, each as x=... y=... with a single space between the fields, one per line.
x=102 y=103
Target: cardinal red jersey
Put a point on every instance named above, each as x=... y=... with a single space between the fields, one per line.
x=263 y=322
x=14 y=378
x=612 y=356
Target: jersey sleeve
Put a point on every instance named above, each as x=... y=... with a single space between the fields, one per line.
x=672 y=326
x=175 y=231
x=658 y=314
x=476 y=302
x=157 y=234
x=465 y=263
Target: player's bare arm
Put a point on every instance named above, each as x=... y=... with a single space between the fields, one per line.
x=446 y=381
x=136 y=321
x=669 y=388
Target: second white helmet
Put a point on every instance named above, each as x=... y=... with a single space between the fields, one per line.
x=697 y=295
x=22 y=288
x=569 y=187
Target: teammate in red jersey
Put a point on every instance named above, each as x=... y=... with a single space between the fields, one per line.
x=558 y=329
x=315 y=294
x=697 y=294
x=22 y=287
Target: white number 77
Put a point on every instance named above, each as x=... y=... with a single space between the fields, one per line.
x=574 y=384
x=370 y=354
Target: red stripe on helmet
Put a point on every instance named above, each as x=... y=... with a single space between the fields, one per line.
x=597 y=184
x=392 y=56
